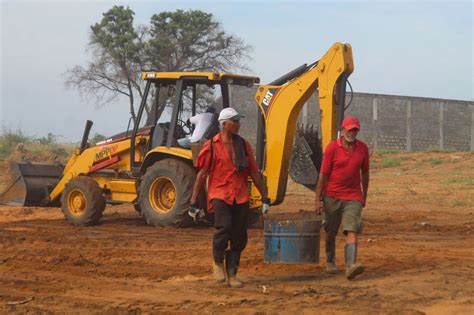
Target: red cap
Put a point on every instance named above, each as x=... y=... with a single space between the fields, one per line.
x=350 y=122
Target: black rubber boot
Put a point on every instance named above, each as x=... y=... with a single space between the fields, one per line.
x=331 y=255
x=352 y=268
x=232 y=260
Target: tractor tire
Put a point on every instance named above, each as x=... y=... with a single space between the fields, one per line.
x=165 y=192
x=137 y=208
x=82 y=201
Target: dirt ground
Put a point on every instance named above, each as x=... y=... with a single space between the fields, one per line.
x=417 y=247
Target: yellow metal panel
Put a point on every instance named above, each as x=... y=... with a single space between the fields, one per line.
x=184 y=153
x=337 y=61
x=123 y=197
x=80 y=164
x=104 y=182
x=153 y=75
x=123 y=190
x=255 y=197
x=123 y=186
x=281 y=106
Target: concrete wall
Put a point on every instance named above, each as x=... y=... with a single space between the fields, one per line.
x=387 y=121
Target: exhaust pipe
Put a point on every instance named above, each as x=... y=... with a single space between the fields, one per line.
x=85 y=136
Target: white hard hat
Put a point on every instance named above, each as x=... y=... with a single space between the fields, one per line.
x=229 y=114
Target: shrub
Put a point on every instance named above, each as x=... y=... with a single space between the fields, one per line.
x=60 y=151
x=457 y=203
x=97 y=138
x=9 y=139
x=469 y=181
x=389 y=162
x=387 y=151
x=437 y=150
x=433 y=161
x=48 y=140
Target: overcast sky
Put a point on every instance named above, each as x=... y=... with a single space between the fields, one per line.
x=415 y=48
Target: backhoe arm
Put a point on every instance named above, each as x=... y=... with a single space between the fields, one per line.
x=281 y=103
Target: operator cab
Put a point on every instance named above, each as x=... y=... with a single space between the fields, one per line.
x=171 y=98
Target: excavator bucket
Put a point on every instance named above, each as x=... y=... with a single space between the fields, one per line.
x=306 y=157
x=31 y=184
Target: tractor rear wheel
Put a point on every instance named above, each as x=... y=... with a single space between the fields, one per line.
x=165 y=192
x=82 y=201
x=137 y=208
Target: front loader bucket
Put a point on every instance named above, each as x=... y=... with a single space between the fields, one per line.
x=306 y=157
x=31 y=184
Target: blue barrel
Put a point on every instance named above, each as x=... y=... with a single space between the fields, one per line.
x=292 y=238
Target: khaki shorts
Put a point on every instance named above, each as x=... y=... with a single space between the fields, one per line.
x=347 y=211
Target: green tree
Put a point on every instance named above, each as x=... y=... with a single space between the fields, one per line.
x=174 y=41
x=97 y=138
x=192 y=41
x=115 y=69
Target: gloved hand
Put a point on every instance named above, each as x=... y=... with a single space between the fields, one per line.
x=195 y=212
x=265 y=205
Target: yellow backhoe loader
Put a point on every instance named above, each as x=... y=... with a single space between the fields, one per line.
x=146 y=166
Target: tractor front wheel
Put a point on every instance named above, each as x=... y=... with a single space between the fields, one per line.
x=82 y=201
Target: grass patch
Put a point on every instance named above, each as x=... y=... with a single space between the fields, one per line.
x=433 y=161
x=406 y=158
x=61 y=150
x=388 y=151
x=390 y=162
x=461 y=180
x=9 y=139
x=437 y=150
x=456 y=171
x=457 y=203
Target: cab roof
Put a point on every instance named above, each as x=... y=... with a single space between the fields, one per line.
x=200 y=77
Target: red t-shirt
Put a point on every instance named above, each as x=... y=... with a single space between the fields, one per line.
x=343 y=169
x=225 y=182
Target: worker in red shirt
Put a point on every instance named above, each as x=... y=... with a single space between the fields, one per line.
x=227 y=159
x=341 y=191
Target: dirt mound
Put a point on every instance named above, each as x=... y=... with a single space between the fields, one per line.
x=21 y=153
x=5 y=175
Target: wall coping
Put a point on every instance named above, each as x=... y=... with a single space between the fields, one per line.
x=420 y=98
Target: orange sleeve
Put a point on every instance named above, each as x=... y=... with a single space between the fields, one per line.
x=203 y=160
x=251 y=160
